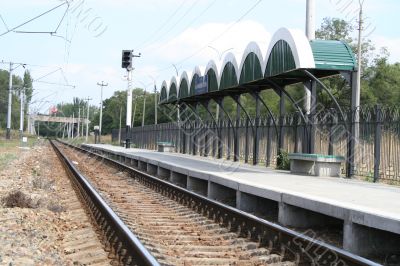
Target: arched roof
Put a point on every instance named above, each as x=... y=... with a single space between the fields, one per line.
x=183 y=86
x=252 y=48
x=229 y=72
x=164 y=92
x=252 y=65
x=299 y=45
x=289 y=52
x=173 y=90
x=196 y=72
x=333 y=55
x=213 y=76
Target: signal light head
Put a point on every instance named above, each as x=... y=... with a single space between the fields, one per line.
x=127 y=59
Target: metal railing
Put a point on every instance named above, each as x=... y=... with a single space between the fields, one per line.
x=375 y=153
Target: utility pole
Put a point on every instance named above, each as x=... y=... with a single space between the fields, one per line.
x=102 y=84
x=155 y=104
x=22 y=111
x=134 y=111
x=359 y=61
x=73 y=125
x=79 y=120
x=120 y=124
x=310 y=33
x=83 y=115
x=128 y=110
x=87 y=121
x=127 y=56
x=8 y=132
x=144 y=106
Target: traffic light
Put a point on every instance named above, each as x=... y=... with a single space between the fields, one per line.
x=127 y=59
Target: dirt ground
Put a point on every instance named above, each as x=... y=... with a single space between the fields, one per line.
x=41 y=232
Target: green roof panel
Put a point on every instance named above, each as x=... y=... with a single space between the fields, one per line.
x=333 y=55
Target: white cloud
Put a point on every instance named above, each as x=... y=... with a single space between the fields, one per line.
x=221 y=36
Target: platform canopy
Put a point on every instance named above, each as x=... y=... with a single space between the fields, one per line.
x=288 y=55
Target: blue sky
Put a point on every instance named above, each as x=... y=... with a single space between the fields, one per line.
x=87 y=48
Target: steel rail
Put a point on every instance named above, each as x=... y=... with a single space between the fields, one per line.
x=291 y=245
x=126 y=246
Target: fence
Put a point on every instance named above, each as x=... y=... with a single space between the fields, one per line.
x=258 y=140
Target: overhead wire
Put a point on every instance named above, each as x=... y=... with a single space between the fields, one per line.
x=217 y=38
x=179 y=20
x=187 y=26
x=164 y=24
x=34 y=18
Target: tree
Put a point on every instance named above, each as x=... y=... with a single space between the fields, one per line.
x=338 y=29
x=384 y=81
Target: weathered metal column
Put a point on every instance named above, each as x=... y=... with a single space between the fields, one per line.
x=206 y=137
x=313 y=111
x=282 y=111
x=332 y=123
x=377 y=144
x=219 y=125
x=194 y=137
x=269 y=143
x=236 y=136
x=354 y=125
x=184 y=126
x=256 y=129
x=296 y=133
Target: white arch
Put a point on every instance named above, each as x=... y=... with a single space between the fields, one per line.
x=195 y=71
x=184 y=76
x=230 y=58
x=299 y=44
x=173 y=81
x=212 y=65
x=252 y=47
x=165 y=84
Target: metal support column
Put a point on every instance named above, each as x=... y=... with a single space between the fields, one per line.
x=332 y=123
x=282 y=111
x=256 y=129
x=236 y=137
x=196 y=123
x=377 y=144
x=313 y=111
x=206 y=136
x=269 y=142
x=353 y=135
x=128 y=111
x=296 y=132
x=219 y=125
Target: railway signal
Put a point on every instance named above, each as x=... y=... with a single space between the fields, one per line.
x=127 y=56
x=127 y=59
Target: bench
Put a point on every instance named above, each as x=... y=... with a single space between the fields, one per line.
x=165 y=146
x=315 y=164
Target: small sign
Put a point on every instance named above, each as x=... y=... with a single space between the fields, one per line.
x=24 y=139
x=201 y=85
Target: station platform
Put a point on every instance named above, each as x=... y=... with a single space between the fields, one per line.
x=367 y=214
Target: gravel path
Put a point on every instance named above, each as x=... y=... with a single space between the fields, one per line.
x=54 y=229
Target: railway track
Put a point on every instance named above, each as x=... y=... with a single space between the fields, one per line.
x=179 y=227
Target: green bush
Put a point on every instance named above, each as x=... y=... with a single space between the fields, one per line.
x=282 y=161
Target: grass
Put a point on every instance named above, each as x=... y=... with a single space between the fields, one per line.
x=6 y=158
x=15 y=141
x=9 y=149
x=106 y=139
